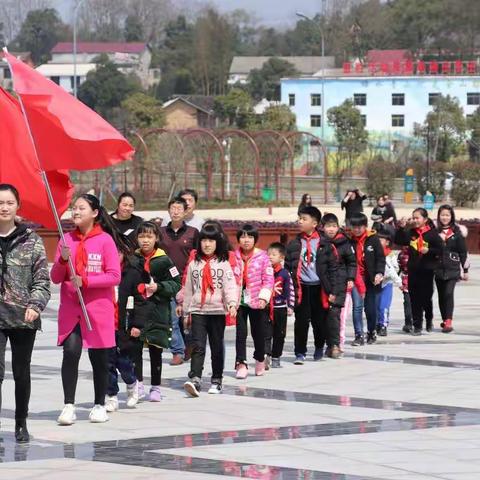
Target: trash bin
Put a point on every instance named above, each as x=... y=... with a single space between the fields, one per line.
x=267 y=193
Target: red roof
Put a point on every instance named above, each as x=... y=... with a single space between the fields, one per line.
x=387 y=56
x=100 y=47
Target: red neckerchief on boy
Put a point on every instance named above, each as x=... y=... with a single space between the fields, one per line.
x=246 y=257
x=81 y=257
x=207 y=279
x=277 y=284
x=420 y=232
x=146 y=266
x=360 y=249
x=308 y=239
x=387 y=251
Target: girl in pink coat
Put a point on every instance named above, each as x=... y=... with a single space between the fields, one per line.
x=97 y=271
x=257 y=286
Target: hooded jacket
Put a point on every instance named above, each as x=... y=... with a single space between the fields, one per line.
x=24 y=279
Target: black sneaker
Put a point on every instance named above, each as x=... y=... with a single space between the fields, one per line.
x=358 y=341
x=417 y=332
x=192 y=388
x=382 y=332
x=318 y=354
x=371 y=338
x=379 y=328
x=407 y=328
x=429 y=326
x=276 y=363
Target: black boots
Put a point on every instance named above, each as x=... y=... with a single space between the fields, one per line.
x=21 y=431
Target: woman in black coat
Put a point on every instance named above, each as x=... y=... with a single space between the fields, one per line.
x=352 y=204
x=452 y=263
x=425 y=246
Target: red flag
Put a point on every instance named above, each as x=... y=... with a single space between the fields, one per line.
x=67 y=133
x=19 y=166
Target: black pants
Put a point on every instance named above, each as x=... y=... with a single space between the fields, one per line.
x=213 y=328
x=72 y=351
x=310 y=310
x=155 y=353
x=333 y=326
x=275 y=332
x=407 y=309
x=257 y=327
x=21 y=343
x=446 y=290
x=420 y=286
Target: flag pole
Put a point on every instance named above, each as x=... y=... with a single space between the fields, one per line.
x=43 y=174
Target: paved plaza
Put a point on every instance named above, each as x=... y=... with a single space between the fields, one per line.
x=407 y=408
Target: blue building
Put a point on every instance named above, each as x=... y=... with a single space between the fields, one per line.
x=390 y=104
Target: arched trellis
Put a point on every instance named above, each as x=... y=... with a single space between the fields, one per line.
x=216 y=144
x=281 y=141
x=291 y=136
x=224 y=134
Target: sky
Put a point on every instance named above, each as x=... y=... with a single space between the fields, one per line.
x=275 y=13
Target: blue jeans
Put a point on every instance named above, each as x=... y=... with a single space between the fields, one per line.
x=357 y=312
x=371 y=304
x=119 y=361
x=177 y=345
x=385 y=302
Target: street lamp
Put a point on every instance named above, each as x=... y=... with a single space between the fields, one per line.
x=322 y=36
x=75 y=16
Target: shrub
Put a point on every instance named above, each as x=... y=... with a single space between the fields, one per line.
x=436 y=183
x=380 y=177
x=466 y=184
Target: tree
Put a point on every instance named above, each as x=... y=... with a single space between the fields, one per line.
x=431 y=178
x=2 y=36
x=473 y=125
x=279 y=118
x=133 y=31
x=40 y=32
x=235 y=108
x=466 y=184
x=143 y=111
x=350 y=134
x=443 y=131
x=379 y=174
x=265 y=82
x=106 y=88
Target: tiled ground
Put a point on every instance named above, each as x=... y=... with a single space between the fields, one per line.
x=404 y=409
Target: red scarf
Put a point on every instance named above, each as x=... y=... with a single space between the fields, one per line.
x=360 y=250
x=420 y=232
x=446 y=233
x=387 y=251
x=207 y=279
x=246 y=259
x=81 y=257
x=308 y=239
x=146 y=266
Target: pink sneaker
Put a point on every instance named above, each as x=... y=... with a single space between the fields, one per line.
x=259 y=368
x=155 y=395
x=242 y=371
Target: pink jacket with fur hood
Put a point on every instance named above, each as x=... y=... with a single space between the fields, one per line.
x=260 y=279
x=103 y=274
x=217 y=303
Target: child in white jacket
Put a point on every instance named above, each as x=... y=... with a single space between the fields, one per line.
x=210 y=291
x=391 y=278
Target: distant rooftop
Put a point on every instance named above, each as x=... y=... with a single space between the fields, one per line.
x=100 y=47
x=200 y=102
x=305 y=65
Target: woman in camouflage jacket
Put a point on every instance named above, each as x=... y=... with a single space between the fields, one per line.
x=24 y=294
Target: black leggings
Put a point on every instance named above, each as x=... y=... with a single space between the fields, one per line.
x=136 y=354
x=420 y=286
x=21 y=342
x=446 y=289
x=72 y=351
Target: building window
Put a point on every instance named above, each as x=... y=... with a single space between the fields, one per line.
x=363 y=118
x=55 y=80
x=6 y=73
x=473 y=98
x=291 y=99
x=359 y=98
x=315 y=120
x=398 y=99
x=432 y=98
x=316 y=99
x=398 y=120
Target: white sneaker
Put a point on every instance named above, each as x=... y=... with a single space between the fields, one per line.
x=111 y=403
x=132 y=395
x=215 y=389
x=67 y=417
x=98 y=414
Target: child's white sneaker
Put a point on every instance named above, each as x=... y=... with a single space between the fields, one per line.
x=215 y=389
x=111 y=403
x=132 y=395
x=67 y=417
x=98 y=414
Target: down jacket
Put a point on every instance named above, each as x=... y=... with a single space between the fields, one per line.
x=260 y=278
x=453 y=256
